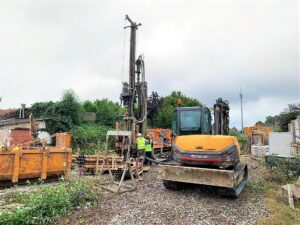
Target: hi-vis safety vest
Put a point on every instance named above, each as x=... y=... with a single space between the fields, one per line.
x=141 y=143
x=148 y=147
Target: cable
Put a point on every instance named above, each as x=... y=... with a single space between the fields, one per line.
x=143 y=97
x=161 y=163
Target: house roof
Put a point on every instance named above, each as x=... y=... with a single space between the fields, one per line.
x=12 y=121
x=4 y=112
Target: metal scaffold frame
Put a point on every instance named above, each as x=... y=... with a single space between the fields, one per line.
x=113 y=186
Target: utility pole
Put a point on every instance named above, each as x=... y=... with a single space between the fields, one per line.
x=242 y=119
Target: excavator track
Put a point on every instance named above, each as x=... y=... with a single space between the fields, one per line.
x=229 y=181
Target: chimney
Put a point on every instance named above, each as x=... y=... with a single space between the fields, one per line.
x=22 y=111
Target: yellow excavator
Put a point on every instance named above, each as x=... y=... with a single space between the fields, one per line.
x=203 y=153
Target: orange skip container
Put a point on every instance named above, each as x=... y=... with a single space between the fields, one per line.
x=35 y=163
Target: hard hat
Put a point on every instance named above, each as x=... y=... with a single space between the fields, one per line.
x=140 y=135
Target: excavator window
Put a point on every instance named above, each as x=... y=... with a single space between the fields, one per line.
x=206 y=121
x=190 y=122
x=174 y=123
x=193 y=120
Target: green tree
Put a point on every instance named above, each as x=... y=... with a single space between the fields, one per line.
x=163 y=118
x=271 y=120
x=260 y=123
x=60 y=116
x=89 y=106
x=236 y=133
x=107 y=112
x=285 y=117
x=89 y=137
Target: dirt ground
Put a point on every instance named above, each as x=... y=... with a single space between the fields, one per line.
x=151 y=203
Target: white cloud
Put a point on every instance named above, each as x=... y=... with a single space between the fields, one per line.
x=206 y=49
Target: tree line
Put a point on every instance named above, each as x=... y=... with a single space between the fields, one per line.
x=282 y=120
x=68 y=115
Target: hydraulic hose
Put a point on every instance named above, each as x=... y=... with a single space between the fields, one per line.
x=144 y=99
x=157 y=162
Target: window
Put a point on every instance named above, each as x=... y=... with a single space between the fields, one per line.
x=206 y=121
x=190 y=121
x=174 y=123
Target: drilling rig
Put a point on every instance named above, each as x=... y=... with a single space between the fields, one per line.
x=134 y=100
x=134 y=92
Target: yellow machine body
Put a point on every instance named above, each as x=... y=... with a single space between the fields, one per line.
x=205 y=143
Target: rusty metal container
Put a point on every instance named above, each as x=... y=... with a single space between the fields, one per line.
x=35 y=163
x=63 y=140
x=160 y=137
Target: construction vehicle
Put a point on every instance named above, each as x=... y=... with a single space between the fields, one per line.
x=258 y=140
x=202 y=152
x=257 y=134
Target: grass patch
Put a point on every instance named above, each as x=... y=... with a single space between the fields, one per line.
x=281 y=171
x=47 y=203
x=261 y=187
x=281 y=213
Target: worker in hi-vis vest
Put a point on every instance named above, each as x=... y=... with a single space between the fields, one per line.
x=141 y=144
x=149 y=150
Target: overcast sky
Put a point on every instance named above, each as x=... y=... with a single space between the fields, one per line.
x=206 y=49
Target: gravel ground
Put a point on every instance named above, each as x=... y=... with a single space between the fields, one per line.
x=153 y=204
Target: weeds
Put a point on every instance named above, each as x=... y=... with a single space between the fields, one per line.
x=48 y=203
x=282 y=170
x=281 y=213
x=260 y=187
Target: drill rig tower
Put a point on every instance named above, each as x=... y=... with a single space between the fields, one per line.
x=134 y=92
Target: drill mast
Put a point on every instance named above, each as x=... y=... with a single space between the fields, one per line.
x=134 y=92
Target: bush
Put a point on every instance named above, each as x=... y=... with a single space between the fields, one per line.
x=60 y=116
x=89 y=137
x=283 y=170
x=164 y=115
x=240 y=137
x=49 y=202
x=107 y=112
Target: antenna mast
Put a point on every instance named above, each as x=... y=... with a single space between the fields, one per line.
x=242 y=117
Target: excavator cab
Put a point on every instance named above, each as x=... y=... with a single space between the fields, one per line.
x=191 y=120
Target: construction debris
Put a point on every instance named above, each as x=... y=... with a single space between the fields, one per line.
x=292 y=191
